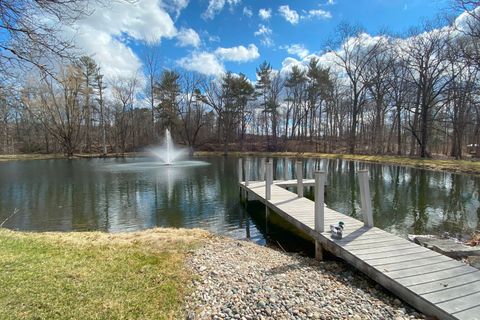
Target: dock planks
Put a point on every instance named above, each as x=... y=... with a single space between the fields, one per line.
x=432 y=283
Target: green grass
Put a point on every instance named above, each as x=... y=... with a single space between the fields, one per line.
x=94 y=275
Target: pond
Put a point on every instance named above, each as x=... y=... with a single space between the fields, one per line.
x=133 y=194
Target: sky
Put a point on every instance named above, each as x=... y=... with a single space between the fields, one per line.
x=214 y=36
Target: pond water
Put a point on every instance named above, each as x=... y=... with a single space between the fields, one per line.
x=133 y=194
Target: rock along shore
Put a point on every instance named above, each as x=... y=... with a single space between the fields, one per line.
x=242 y=280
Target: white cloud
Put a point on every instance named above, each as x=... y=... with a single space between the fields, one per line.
x=247 y=12
x=262 y=30
x=210 y=63
x=213 y=38
x=265 y=14
x=288 y=14
x=105 y=33
x=188 y=37
x=216 y=6
x=294 y=17
x=467 y=21
x=142 y=20
x=175 y=6
x=326 y=60
x=239 y=53
x=288 y=63
x=331 y=2
x=297 y=49
x=113 y=57
x=202 y=62
x=318 y=13
x=265 y=34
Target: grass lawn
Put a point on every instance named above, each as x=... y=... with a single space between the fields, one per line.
x=93 y=275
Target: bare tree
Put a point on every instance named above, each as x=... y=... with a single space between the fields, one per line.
x=124 y=90
x=30 y=32
x=57 y=105
x=376 y=77
x=427 y=54
x=152 y=68
x=229 y=99
x=99 y=87
x=191 y=107
x=356 y=51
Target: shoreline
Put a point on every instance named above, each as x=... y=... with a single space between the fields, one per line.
x=238 y=279
x=449 y=165
x=471 y=167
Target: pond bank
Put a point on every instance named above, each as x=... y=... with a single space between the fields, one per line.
x=457 y=166
x=49 y=156
x=451 y=165
x=170 y=273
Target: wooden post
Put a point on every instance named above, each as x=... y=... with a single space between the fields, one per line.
x=365 y=198
x=240 y=178
x=247 y=172
x=299 y=174
x=268 y=190
x=320 y=179
x=268 y=181
x=262 y=169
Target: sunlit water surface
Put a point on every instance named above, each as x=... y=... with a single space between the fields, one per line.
x=138 y=193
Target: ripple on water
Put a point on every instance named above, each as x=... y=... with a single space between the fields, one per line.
x=144 y=165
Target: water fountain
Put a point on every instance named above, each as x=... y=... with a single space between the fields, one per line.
x=168 y=157
x=168 y=153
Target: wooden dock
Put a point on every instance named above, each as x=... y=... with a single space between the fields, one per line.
x=432 y=283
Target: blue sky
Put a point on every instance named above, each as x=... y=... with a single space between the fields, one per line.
x=210 y=36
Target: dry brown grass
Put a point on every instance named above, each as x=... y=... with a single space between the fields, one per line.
x=162 y=239
x=463 y=166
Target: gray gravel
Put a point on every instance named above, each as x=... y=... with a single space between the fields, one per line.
x=242 y=280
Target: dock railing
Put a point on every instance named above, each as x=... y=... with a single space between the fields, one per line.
x=365 y=199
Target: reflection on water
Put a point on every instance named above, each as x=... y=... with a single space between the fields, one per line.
x=121 y=195
x=405 y=200
x=101 y=194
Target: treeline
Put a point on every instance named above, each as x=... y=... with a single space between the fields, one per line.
x=415 y=96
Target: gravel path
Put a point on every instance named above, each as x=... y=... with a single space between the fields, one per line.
x=242 y=280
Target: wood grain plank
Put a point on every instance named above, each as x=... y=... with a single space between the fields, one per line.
x=459 y=280
x=471 y=314
x=460 y=304
x=387 y=254
x=418 y=265
x=460 y=270
x=421 y=270
x=402 y=258
x=368 y=246
x=453 y=293
x=387 y=248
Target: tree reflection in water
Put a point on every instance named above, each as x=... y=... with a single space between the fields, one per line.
x=101 y=194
